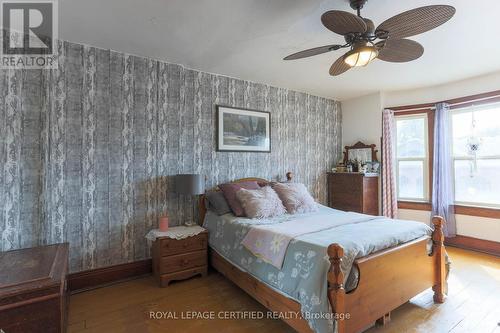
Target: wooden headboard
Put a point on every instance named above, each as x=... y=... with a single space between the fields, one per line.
x=261 y=181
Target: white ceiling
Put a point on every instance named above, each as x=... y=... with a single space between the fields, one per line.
x=247 y=39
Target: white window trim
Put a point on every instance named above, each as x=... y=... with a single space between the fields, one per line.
x=469 y=158
x=425 y=159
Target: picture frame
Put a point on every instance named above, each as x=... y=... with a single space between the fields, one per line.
x=243 y=130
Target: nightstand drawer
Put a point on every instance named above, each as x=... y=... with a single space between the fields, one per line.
x=179 y=259
x=175 y=246
x=183 y=261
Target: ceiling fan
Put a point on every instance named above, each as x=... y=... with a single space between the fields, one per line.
x=361 y=36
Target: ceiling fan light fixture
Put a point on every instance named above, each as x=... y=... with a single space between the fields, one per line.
x=361 y=56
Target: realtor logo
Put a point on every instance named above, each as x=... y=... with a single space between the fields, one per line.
x=29 y=34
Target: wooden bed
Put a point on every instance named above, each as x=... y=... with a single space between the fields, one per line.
x=387 y=279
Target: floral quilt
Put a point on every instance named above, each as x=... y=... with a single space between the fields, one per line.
x=302 y=276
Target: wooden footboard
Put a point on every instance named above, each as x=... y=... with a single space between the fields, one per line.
x=387 y=279
x=265 y=295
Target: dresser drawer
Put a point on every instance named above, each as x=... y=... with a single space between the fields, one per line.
x=348 y=199
x=346 y=183
x=181 y=262
x=348 y=207
x=170 y=247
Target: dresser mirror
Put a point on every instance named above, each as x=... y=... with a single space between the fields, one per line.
x=360 y=152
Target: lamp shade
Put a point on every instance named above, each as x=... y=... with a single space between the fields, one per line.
x=189 y=184
x=360 y=56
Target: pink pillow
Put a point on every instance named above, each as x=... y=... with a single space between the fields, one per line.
x=230 y=190
x=261 y=203
x=295 y=197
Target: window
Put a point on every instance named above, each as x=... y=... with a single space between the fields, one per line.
x=412 y=157
x=477 y=173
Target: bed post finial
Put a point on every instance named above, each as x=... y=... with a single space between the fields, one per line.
x=336 y=291
x=439 y=259
x=289 y=176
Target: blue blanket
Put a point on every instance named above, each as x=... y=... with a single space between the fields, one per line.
x=303 y=274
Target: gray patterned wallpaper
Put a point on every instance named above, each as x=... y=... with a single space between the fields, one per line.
x=87 y=151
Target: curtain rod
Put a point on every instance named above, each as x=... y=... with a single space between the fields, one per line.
x=454 y=103
x=421 y=108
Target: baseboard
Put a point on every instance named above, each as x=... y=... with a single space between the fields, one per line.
x=475 y=244
x=101 y=276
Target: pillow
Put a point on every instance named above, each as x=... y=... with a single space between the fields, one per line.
x=217 y=202
x=261 y=203
x=230 y=190
x=295 y=197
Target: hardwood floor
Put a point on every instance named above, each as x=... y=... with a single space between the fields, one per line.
x=473 y=304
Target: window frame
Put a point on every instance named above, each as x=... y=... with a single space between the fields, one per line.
x=454 y=158
x=416 y=203
x=456 y=103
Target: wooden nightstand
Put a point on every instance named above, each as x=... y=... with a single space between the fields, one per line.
x=178 y=259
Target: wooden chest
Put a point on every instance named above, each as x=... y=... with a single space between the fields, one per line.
x=33 y=296
x=354 y=192
x=178 y=259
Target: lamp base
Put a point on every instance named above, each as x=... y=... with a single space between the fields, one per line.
x=189 y=223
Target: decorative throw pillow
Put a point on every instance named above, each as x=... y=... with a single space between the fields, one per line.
x=217 y=202
x=295 y=197
x=261 y=203
x=230 y=190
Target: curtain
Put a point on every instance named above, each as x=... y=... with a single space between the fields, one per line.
x=443 y=196
x=389 y=197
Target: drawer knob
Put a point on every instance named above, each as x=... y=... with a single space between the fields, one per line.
x=185 y=245
x=185 y=262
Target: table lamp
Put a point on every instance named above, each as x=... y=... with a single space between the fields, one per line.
x=189 y=185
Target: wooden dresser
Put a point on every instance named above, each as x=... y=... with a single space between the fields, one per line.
x=178 y=259
x=33 y=295
x=354 y=192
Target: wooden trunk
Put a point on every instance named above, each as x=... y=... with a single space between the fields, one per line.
x=354 y=192
x=33 y=295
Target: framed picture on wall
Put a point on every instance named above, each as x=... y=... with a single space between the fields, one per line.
x=243 y=130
